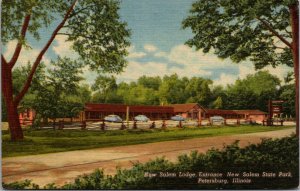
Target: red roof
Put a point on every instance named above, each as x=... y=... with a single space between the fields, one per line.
x=185 y=107
x=220 y=112
x=234 y=112
x=132 y=108
x=250 y=112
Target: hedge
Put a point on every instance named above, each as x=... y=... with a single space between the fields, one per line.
x=270 y=156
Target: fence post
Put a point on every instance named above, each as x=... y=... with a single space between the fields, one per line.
x=60 y=124
x=83 y=127
x=122 y=126
x=238 y=122
x=199 y=123
x=102 y=125
x=134 y=124
x=163 y=125
x=152 y=126
x=225 y=121
x=180 y=124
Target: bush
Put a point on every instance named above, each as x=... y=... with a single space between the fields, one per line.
x=268 y=156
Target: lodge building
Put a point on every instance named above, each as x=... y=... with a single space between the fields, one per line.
x=99 y=111
x=192 y=111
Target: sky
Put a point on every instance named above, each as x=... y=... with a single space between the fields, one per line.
x=157 y=47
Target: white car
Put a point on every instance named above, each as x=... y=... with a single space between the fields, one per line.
x=142 y=118
x=177 y=118
x=218 y=119
x=113 y=118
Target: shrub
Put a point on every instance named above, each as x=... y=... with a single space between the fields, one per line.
x=268 y=156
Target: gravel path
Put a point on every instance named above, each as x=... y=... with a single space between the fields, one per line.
x=65 y=166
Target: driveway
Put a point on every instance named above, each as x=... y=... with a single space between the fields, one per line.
x=63 y=167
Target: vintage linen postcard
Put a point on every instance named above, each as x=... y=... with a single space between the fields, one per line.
x=150 y=95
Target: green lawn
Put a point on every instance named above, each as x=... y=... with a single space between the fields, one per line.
x=47 y=141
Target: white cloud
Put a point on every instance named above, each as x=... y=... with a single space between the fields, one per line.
x=133 y=54
x=63 y=48
x=26 y=54
x=134 y=70
x=246 y=69
x=185 y=55
x=187 y=62
x=150 y=48
x=161 y=54
x=225 y=79
x=279 y=71
x=137 y=55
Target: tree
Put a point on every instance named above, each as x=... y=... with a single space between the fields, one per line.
x=58 y=97
x=93 y=26
x=84 y=93
x=198 y=91
x=103 y=86
x=287 y=94
x=254 y=93
x=172 y=90
x=218 y=103
x=19 y=76
x=266 y=32
x=150 y=82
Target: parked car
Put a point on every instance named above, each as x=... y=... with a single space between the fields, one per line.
x=142 y=118
x=177 y=118
x=217 y=119
x=113 y=118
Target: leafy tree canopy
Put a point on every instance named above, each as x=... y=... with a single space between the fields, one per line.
x=98 y=35
x=254 y=29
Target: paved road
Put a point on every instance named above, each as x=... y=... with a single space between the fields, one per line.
x=65 y=166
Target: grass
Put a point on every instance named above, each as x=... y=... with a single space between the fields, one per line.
x=48 y=141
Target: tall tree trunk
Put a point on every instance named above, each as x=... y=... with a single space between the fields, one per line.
x=16 y=132
x=7 y=81
x=294 y=12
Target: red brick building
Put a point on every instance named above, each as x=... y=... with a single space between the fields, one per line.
x=99 y=111
x=189 y=110
x=194 y=111
x=255 y=115
x=26 y=117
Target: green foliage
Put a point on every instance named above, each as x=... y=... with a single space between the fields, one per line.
x=269 y=156
x=94 y=27
x=26 y=184
x=288 y=94
x=152 y=90
x=240 y=30
x=258 y=88
x=172 y=90
x=99 y=35
x=39 y=141
x=150 y=82
x=57 y=95
x=218 y=103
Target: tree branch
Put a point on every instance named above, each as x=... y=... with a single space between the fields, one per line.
x=3 y=60
x=18 y=49
x=79 y=11
x=271 y=29
x=4 y=74
x=41 y=54
x=289 y=34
